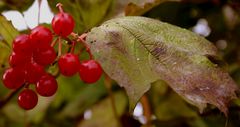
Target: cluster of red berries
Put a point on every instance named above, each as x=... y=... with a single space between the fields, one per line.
x=33 y=53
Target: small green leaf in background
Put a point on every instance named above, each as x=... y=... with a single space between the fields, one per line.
x=136 y=51
x=102 y=113
x=85 y=95
x=7 y=34
x=7 y=31
x=4 y=55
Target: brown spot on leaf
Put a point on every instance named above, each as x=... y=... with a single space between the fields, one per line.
x=116 y=41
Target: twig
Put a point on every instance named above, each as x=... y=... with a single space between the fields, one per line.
x=81 y=39
x=108 y=84
x=146 y=110
x=9 y=96
x=226 y=123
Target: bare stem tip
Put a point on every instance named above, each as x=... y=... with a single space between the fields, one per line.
x=59 y=6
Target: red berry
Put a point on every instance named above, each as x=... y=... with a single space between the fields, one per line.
x=41 y=36
x=17 y=59
x=27 y=99
x=63 y=24
x=46 y=86
x=34 y=72
x=90 y=71
x=22 y=44
x=13 y=78
x=44 y=56
x=68 y=64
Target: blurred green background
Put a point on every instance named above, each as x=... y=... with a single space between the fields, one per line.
x=80 y=105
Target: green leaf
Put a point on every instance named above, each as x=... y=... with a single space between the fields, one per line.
x=136 y=51
x=7 y=31
x=5 y=52
x=83 y=97
x=4 y=55
x=102 y=113
x=139 y=7
x=7 y=34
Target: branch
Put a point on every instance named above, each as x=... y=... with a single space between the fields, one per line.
x=9 y=96
x=146 y=110
x=108 y=84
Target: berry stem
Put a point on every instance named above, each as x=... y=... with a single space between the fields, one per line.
x=27 y=86
x=59 y=47
x=73 y=47
x=60 y=7
x=81 y=39
x=54 y=42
